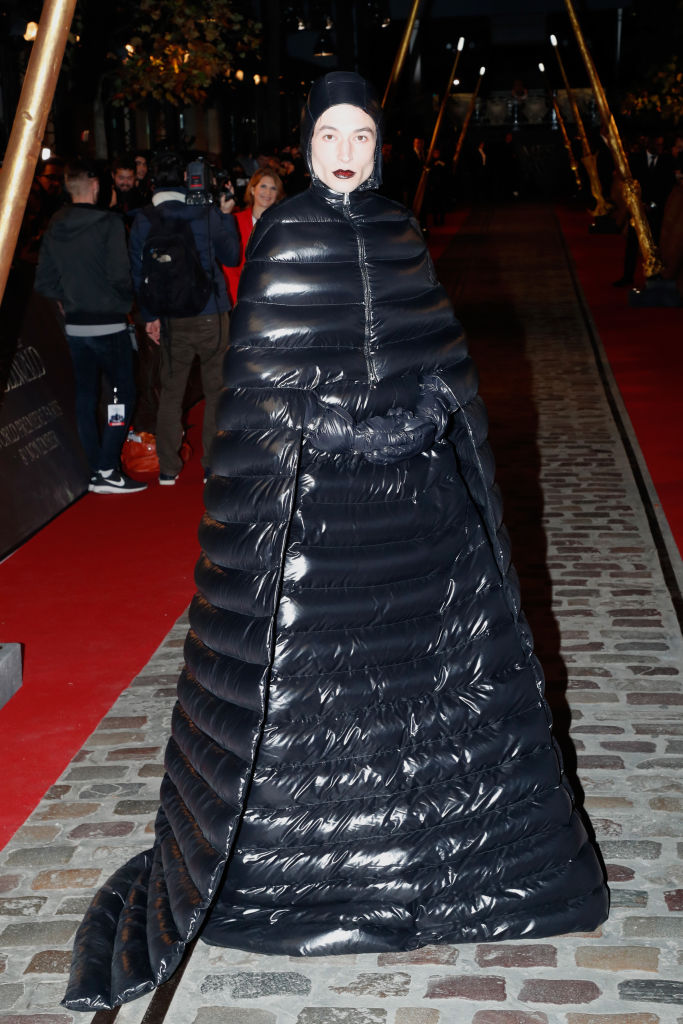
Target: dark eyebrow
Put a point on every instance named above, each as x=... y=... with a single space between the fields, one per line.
x=330 y=127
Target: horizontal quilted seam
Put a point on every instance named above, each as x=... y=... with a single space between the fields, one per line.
x=378 y=838
x=437 y=614
x=366 y=756
x=443 y=743
x=381 y=705
x=438 y=532
x=289 y=588
x=484 y=634
x=459 y=932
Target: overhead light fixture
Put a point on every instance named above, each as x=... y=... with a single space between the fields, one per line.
x=482 y=71
x=541 y=66
x=553 y=40
x=461 y=43
x=31 y=31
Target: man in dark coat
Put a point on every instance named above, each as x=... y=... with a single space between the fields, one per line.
x=361 y=758
x=204 y=333
x=83 y=265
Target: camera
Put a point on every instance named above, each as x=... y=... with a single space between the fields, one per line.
x=204 y=185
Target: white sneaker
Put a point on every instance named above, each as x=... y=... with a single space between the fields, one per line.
x=115 y=483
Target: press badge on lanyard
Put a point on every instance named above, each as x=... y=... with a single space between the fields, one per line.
x=116 y=411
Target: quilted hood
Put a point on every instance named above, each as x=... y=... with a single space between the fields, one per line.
x=342 y=87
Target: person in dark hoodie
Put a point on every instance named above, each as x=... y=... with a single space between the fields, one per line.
x=183 y=336
x=83 y=265
x=361 y=758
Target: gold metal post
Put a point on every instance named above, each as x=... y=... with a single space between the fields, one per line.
x=28 y=129
x=401 y=53
x=587 y=156
x=565 y=137
x=652 y=264
x=468 y=118
x=422 y=184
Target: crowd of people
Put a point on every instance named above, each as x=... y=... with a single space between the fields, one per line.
x=123 y=199
x=90 y=231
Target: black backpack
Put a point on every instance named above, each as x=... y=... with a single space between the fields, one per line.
x=174 y=282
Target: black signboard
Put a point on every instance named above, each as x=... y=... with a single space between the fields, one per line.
x=42 y=464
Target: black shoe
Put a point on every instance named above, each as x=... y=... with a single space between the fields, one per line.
x=115 y=483
x=623 y=282
x=167 y=479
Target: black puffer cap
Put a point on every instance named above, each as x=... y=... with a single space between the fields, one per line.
x=330 y=90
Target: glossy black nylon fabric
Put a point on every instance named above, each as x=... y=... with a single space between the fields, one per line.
x=361 y=756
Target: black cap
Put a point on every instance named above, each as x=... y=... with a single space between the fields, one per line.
x=342 y=87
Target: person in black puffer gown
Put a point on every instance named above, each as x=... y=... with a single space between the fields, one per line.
x=361 y=757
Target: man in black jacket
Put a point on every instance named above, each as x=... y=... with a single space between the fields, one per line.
x=83 y=264
x=184 y=335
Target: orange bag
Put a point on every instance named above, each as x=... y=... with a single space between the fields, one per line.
x=139 y=459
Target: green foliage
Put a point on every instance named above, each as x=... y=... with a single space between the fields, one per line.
x=178 y=49
x=661 y=93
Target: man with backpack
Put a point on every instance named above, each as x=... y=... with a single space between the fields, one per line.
x=176 y=249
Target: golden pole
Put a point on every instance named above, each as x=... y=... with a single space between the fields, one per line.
x=652 y=264
x=422 y=184
x=28 y=129
x=399 y=60
x=468 y=118
x=588 y=157
x=565 y=137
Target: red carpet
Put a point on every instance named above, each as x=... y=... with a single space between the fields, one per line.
x=91 y=597
x=644 y=347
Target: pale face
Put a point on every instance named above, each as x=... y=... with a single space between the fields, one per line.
x=265 y=195
x=343 y=147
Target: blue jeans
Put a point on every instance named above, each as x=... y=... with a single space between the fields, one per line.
x=109 y=356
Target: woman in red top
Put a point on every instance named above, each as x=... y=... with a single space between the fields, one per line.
x=264 y=189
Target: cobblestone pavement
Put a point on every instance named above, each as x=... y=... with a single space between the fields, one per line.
x=610 y=641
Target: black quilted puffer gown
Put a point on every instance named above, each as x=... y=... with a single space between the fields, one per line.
x=361 y=757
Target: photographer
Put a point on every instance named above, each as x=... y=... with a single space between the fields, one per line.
x=177 y=244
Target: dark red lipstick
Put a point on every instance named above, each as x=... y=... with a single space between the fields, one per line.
x=343 y=174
